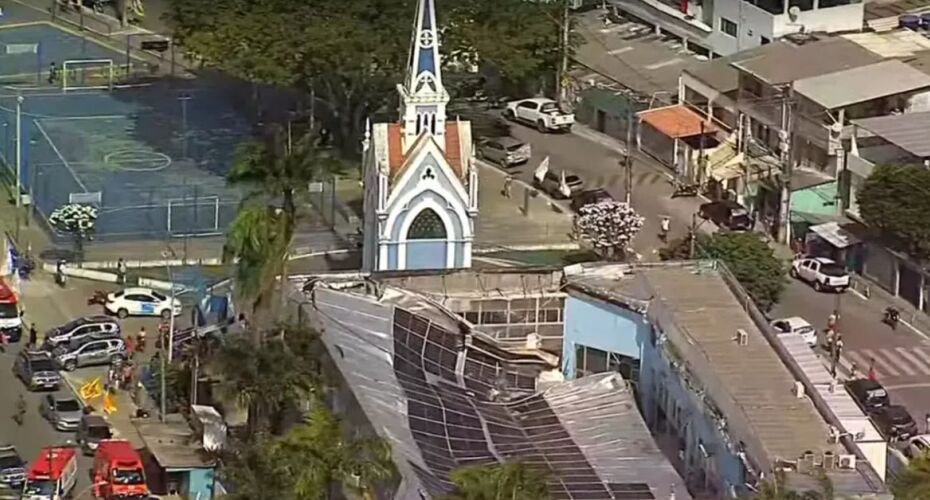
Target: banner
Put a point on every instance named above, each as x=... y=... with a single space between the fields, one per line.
x=542 y=169
x=92 y=389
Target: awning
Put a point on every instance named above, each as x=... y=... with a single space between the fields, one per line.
x=677 y=121
x=834 y=234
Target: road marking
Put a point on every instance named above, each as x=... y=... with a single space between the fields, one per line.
x=884 y=367
x=908 y=386
x=861 y=362
x=922 y=355
x=897 y=362
x=903 y=351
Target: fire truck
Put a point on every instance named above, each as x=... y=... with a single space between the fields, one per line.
x=11 y=323
x=52 y=475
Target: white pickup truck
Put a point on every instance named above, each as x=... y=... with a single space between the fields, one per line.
x=540 y=112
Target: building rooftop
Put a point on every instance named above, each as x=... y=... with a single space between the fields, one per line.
x=862 y=84
x=908 y=131
x=783 y=62
x=878 y=9
x=677 y=121
x=896 y=43
x=630 y=54
x=170 y=444
x=751 y=386
x=445 y=395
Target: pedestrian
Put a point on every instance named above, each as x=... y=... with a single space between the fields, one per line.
x=854 y=371
x=33 y=336
x=52 y=73
x=4 y=341
x=838 y=346
x=126 y=377
x=664 y=227
x=130 y=346
x=243 y=323
x=508 y=182
x=140 y=340
x=111 y=378
x=872 y=375
x=121 y=271
x=833 y=319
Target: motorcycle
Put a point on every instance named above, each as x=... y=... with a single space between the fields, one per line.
x=686 y=190
x=60 y=278
x=891 y=317
x=99 y=298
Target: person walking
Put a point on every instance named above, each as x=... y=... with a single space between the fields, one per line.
x=665 y=226
x=121 y=271
x=130 y=346
x=140 y=340
x=872 y=374
x=33 y=336
x=508 y=184
x=52 y=73
x=832 y=320
x=854 y=371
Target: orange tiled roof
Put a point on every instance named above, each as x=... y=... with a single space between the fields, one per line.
x=677 y=121
x=396 y=157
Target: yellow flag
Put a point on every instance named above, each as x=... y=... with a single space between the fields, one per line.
x=109 y=403
x=92 y=389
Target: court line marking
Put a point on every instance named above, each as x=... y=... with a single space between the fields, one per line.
x=90 y=117
x=23 y=25
x=60 y=156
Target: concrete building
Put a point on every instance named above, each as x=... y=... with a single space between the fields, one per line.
x=421 y=184
x=727 y=403
x=725 y=27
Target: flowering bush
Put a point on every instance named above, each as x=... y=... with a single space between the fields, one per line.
x=609 y=225
x=74 y=218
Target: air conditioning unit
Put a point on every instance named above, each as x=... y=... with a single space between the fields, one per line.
x=847 y=461
x=829 y=460
x=533 y=340
x=742 y=338
x=798 y=390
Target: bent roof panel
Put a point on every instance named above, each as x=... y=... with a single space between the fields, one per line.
x=908 y=131
x=784 y=62
x=862 y=84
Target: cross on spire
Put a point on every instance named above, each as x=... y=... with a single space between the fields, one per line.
x=424 y=72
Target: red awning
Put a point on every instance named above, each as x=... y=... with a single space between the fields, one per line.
x=677 y=121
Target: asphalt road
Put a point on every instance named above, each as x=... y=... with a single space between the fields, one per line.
x=902 y=357
x=47 y=305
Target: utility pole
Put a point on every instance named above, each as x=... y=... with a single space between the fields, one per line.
x=692 y=236
x=628 y=161
x=19 y=151
x=563 y=68
x=700 y=173
x=786 y=146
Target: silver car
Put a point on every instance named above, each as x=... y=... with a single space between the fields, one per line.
x=505 y=151
x=95 y=352
x=62 y=411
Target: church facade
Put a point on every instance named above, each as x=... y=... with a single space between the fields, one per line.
x=420 y=180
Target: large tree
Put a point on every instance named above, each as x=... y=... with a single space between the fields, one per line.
x=610 y=226
x=751 y=260
x=511 y=481
x=913 y=483
x=893 y=200
x=353 y=53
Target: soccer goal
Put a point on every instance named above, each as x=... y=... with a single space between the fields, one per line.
x=83 y=74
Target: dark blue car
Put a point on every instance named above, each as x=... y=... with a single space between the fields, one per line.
x=12 y=467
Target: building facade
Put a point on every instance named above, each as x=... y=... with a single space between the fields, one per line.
x=421 y=186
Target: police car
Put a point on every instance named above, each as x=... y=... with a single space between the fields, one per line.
x=141 y=302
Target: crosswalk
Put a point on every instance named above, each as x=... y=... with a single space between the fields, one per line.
x=892 y=362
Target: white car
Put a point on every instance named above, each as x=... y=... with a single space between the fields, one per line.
x=141 y=302
x=824 y=274
x=542 y=113
x=796 y=326
x=917 y=445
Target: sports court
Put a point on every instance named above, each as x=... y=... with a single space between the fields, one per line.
x=152 y=156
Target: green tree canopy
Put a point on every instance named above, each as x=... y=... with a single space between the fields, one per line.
x=511 y=481
x=894 y=200
x=913 y=483
x=354 y=53
x=751 y=260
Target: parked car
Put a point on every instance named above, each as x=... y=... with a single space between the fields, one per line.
x=551 y=184
x=917 y=445
x=142 y=302
x=540 y=112
x=92 y=430
x=894 y=422
x=97 y=352
x=590 y=196
x=37 y=370
x=81 y=328
x=77 y=342
x=796 y=326
x=869 y=394
x=505 y=151
x=12 y=467
x=62 y=411
x=726 y=214
x=824 y=274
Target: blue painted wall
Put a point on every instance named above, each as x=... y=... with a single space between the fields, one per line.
x=200 y=482
x=603 y=326
x=426 y=254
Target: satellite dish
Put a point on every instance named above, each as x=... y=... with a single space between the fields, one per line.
x=793 y=12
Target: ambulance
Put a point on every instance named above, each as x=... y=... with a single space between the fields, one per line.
x=11 y=323
x=52 y=475
x=118 y=471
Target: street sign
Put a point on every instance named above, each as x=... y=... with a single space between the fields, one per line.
x=22 y=48
x=156 y=45
x=315 y=187
x=86 y=198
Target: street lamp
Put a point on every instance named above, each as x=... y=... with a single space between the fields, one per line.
x=166 y=254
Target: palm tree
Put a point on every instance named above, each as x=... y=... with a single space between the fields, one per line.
x=776 y=488
x=913 y=483
x=276 y=171
x=267 y=380
x=320 y=458
x=506 y=481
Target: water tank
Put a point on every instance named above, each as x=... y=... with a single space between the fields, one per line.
x=909 y=21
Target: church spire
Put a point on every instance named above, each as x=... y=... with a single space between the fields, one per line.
x=423 y=97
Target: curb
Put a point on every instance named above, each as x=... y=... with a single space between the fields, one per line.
x=66 y=376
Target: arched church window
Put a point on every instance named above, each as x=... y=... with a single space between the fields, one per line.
x=427 y=226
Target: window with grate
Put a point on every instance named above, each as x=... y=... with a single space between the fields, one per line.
x=427 y=226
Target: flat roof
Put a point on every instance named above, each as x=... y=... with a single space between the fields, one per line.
x=677 y=120
x=783 y=62
x=444 y=394
x=749 y=383
x=169 y=443
x=897 y=43
x=878 y=9
x=862 y=84
x=908 y=131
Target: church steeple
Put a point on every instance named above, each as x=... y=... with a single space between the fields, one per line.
x=423 y=98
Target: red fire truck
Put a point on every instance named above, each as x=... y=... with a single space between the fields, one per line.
x=11 y=323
